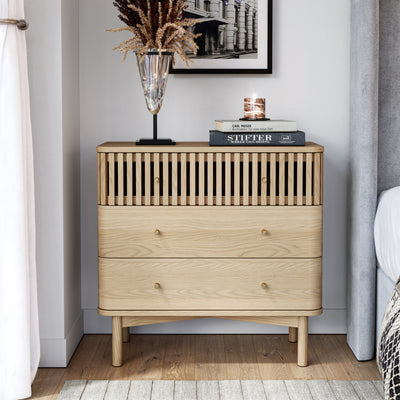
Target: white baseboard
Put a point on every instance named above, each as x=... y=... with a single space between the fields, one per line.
x=56 y=352
x=332 y=321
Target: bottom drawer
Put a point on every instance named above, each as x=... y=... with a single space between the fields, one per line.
x=209 y=284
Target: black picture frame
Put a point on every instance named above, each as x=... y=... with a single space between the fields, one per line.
x=262 y=65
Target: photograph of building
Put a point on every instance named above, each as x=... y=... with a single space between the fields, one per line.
x=229 y=28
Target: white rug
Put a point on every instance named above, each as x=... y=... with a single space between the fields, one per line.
x=222 y=390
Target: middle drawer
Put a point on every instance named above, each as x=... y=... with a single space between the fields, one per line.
x=163 y=232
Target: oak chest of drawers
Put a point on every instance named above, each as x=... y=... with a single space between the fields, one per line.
x=193 y=231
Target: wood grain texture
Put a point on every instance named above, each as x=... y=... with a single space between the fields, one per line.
x=129 y=179
x=210 y=179
x=299 y=195
x=309 y=180
x=290 y=180
x=272 y=179
x=138 y=160
x=210 y=231
x=218 y=180
x=282 y=178
x=120 y=163
x=183 y=179
x=156 y=180
x=147 y=179
x=302 y=346
x=254 y=180
x=197 y=147
x=111 y=179
x=209 y=284
x=246 y=180
x=103 y=178
x=116 y=341
x=329 y=358
x=228 y=179
x=201 y=179
x=192 y=179
x=264 y=179
x=174 y=178
x=166 y=176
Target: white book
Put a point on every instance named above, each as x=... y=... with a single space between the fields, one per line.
x=255 y=126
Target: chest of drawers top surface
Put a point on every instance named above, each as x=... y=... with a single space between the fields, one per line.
x=116 y=147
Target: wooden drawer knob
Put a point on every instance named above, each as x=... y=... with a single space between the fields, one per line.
x=264 y=285
x=264 y=179
x=157 y=285
x=156 y=179
x=157 y=232
x=264 y=232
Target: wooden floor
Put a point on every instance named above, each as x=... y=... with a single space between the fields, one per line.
x=206 y=357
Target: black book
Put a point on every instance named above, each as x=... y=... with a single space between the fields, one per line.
x=218 y=138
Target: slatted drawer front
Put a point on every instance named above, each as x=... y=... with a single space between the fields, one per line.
x=201 y=178
x=210 y=231
x=210 y=284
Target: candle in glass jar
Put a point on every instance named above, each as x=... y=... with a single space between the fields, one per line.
x=254 y=108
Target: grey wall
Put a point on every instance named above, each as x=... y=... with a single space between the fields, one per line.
x=53 y=63
x=310 y=84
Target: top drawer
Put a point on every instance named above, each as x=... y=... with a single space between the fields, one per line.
x=197 y=175
x=292 y=232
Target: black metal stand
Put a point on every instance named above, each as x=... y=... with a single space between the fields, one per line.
x=155 y=140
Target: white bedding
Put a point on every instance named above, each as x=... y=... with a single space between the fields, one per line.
x=387 y=232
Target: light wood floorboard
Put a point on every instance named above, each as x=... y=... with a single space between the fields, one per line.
x=206 y=357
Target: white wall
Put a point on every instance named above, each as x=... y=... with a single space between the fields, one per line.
x=310 y=84
x=53 y=63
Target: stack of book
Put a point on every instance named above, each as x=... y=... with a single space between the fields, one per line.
x=256 y=133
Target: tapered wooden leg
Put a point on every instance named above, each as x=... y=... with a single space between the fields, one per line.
x=302 y=345
x=125 y=335
x=292 y=334
x=116 y=341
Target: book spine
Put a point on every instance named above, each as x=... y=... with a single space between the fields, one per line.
x=257 y=139
x=267 y=126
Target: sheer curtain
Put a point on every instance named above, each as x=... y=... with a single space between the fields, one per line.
x=19 y=333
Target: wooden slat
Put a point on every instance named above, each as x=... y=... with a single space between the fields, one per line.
x=129 y=179
x=246 y=179
x=192 y=179
x=290 y=179
x=147 y=180
x=272 y=179
x=264 y=179
x=165 y=178
x=299 y=179
x=254 y=173
x=183 y=179
x=174 y=181
x=309 y=179
x=317 y=179
x=201 y=179
x=219 y=179
x=282 y=167
x=228 y=178
x=103 y=179
x=98 y=179
x=156 y=180
x=236 y=200
x=120 y=179
x=111 y=179
x=210 y=179
x=138 y=161
x=322 y=178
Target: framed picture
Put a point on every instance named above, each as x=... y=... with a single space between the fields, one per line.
x=236 y=37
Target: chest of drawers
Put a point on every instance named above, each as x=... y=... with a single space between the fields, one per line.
x=192 y=231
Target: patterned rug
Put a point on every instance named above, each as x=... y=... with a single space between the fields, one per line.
x=221 y=390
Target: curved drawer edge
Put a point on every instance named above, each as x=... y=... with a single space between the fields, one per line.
x=209 y=313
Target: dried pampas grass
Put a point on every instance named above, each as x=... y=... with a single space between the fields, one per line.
x=161 y=25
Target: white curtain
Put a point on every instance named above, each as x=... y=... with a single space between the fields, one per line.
x=19 y=330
